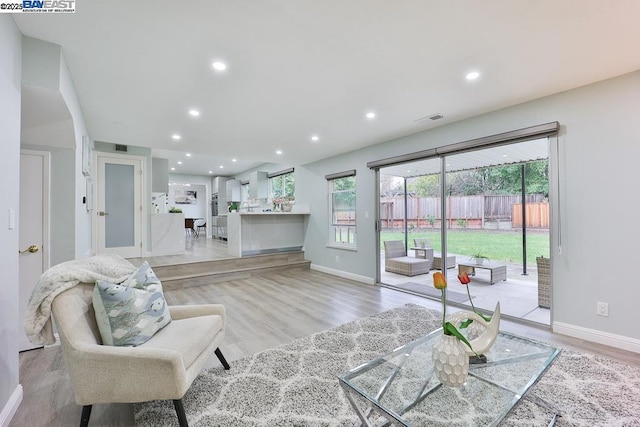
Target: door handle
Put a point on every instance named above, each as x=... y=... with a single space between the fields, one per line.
x=33 y=249
x=102 y=213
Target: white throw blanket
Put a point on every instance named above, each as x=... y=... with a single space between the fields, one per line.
x=59 y=278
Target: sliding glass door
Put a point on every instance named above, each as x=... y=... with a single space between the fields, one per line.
x=410 y=213
x=489 y=208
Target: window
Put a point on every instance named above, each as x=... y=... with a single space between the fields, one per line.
x=244 y=192
x=342 y=206
x=282 y=184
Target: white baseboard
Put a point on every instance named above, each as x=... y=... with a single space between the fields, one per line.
x=612 y=340
x=343 y=274
x=11 y=407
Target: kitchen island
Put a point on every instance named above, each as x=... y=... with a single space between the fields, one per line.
x=167 y=234
x=255 y=233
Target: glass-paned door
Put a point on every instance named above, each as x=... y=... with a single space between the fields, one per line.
x=410 y=224
x=487 y=192
x=119 y=206
x=493 y=219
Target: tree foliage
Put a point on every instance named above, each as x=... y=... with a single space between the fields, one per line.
x=343 y=193
x=506 y=179
x=283 y=186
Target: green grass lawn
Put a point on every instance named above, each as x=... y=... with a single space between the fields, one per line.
x=497 y=245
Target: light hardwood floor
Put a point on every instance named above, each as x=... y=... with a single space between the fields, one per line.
x=262 y=312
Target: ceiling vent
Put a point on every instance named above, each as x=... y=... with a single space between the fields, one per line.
x=436 y=116
x=120 y=147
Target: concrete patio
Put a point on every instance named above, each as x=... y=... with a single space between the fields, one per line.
x=518 y=295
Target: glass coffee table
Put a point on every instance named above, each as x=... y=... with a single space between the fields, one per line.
x=400 y=388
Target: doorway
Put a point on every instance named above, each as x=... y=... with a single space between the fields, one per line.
x=34 y=228
x=119 y=225
x=495 y=206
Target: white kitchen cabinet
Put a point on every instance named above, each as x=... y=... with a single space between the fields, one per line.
x=233 y=191
x=258 y=185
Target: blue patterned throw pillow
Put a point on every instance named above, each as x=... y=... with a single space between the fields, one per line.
x=131 y=312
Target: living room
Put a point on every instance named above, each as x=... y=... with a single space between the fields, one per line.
x=593 y=152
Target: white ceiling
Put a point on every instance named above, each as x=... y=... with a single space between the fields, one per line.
x=302 y=67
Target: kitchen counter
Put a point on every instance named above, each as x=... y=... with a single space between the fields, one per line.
x=254 y=233
x=270 y=213
x=167 y=234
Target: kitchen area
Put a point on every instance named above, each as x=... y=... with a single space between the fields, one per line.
x=238 y=216
x=250 y=223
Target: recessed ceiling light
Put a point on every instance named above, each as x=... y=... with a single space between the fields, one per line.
x=315 y=138
x=176 y=137
x=179 y=162
x=505 y=155
x=173 y=169
x=219 y=66
x=370 y=115
x=188 y=154
x=473 y=75
x=234 y=160
x=210 y=171
x=221 y=167
x=278 y=152
x=194 y=113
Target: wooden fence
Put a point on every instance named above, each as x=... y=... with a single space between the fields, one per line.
x=501 y=211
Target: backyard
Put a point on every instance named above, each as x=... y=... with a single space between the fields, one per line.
x=497 y=245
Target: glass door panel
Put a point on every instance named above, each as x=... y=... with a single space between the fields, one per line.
x=495 y=226
x=409 y=213
x=484 y=226
x=119 y=203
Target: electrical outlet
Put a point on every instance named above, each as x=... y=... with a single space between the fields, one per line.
x=602 y=309
x=337 y=258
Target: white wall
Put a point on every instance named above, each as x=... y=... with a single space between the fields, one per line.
x=83 y=219
x=10 y=78
x=196 y=210
x=45 y=78
x=599 y=150
x=203 y=185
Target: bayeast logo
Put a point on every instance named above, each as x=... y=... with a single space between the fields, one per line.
x=48 y=5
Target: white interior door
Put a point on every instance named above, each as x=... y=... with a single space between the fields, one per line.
x=34 y=230
x=119 y=205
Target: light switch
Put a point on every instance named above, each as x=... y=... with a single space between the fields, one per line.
x=12 y=219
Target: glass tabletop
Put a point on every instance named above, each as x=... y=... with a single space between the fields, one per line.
x=401 y=385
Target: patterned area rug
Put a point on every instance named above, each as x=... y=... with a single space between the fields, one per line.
x=296 y=384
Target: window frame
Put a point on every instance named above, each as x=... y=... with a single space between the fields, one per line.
x=284 y=175
x=335 y=228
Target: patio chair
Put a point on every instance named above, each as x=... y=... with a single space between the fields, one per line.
x=397 y=261
x=544 y=282
x=437 y=258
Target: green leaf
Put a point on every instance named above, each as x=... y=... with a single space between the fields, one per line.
x=449 y=329
x=466 y=323
x=486 y=318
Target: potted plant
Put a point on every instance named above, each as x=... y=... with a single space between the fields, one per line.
x=282 y=204
x=175 y=210
x=478 y=257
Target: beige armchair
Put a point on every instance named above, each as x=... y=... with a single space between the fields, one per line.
x=162 y=368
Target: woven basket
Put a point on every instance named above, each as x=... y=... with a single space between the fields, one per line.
x=544 y=282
